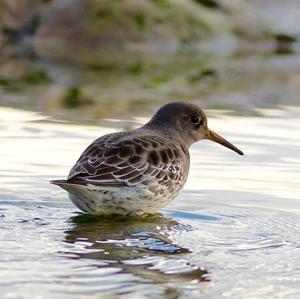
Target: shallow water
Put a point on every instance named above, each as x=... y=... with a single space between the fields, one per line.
x=234 y=232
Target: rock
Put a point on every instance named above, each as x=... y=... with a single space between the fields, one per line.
x=90 y=25
x=15 y=13
x=75 y=98
x=89 y=28
x=1 y=39
x=18 y=18
x=213 y=4
x=284 y=43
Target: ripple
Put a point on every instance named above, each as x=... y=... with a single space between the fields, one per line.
x=235 y=230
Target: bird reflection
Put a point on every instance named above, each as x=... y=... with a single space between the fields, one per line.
x=138 y=246
x=123 y=237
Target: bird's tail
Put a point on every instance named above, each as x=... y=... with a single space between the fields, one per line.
x=69 y=186
x=58 y=182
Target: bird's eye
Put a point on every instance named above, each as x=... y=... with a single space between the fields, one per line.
x=195 y=119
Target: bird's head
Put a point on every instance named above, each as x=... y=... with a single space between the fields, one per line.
x=187 y=121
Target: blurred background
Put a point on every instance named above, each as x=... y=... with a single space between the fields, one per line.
x=73 y=70
x=93 y=59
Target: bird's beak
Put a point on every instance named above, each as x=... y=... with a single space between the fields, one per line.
x=211 y=135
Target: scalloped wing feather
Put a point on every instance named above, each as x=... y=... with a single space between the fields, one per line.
x=120 y=159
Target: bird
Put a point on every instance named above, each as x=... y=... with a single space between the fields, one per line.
x=140 y=171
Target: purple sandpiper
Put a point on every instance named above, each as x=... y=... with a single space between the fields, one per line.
x=141 y=171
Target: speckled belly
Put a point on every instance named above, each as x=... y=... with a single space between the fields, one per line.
x=115 y=200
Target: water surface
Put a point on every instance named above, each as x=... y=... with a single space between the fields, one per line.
x=234 y=232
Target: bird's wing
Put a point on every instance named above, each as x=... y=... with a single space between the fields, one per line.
x=113 y=160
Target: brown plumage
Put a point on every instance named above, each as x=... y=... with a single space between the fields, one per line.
x=148 y=165
x=130 y=159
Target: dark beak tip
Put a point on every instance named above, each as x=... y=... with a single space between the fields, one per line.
x=219 y=139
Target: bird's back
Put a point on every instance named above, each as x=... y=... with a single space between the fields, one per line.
x=129 y=159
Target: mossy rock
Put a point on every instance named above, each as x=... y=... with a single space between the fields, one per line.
x=76 y=98
x=90 y=26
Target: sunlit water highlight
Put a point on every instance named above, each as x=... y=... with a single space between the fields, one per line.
x=234 y=232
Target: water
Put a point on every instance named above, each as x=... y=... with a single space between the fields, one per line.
x=234 y=232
